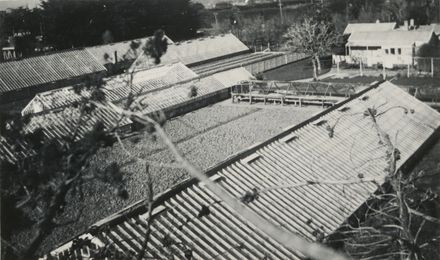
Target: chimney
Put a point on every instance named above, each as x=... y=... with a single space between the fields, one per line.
x=406 y=25
x=411 y=23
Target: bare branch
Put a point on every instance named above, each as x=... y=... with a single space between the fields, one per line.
x=290 y=240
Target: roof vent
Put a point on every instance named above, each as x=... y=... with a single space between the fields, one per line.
x=157 y=210
x=251 y=158
x=343 y=109
x=320 y=122
x=214 y=178
x=289 y=138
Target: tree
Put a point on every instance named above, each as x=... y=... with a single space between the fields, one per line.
x=312 y=37
x=81 y=23
x=35 y=189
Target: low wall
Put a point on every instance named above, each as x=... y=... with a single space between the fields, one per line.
x=273 y=63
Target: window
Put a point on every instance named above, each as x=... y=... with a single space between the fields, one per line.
x=386 y=51
x=399 y=51
x=393 y=51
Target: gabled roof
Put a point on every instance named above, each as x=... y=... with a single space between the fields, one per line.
x=63 y=123
x=369 y=27
x=300 y=154
x=432 y=27
x=390 y=38
x=199 y=50
x=59 y=123
x=16 y=75
x=12 y=151
x=179 y=94
x=126 y=50
x=115 y=88
x=57 y=126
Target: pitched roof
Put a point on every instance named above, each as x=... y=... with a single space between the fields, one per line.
x=199 y=50
x=300 y=154
x=15 y=75
x=179 y=94
x=63 y=123
x=126 y=50
x=369 y=27
x=115 y=88
x=58 y=125
x=390 y=38
x=435 y=27
x=13 y=151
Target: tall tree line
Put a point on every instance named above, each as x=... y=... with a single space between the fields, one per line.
x=422 y=11
x=77 y=23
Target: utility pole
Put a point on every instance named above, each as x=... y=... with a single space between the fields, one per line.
x=216 y=21
x=281 y=11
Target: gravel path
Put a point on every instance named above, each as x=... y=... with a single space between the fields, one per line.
x=206 y=136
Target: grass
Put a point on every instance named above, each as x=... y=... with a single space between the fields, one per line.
x=298 y=70
x=402 y=81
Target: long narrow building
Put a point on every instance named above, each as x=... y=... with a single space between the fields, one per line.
x=288 y=173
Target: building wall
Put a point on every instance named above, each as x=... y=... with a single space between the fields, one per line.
x=272 y=63
x=389 y=56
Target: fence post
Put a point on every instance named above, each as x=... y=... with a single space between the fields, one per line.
x=360 y=67
x=384 y=72
x=337 y=67
x=432 y=67
x=407 y=73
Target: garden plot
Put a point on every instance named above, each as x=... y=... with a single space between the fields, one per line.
x=206 y=137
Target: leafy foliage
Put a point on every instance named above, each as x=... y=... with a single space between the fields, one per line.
x=71 y=23
x=34 y=188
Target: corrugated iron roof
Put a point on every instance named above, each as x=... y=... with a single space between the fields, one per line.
x=63 y=123
x=198 y=50
x=58 y=125
x=126 y=50
x=390 y=38
x=234 y=62
x=300 y=154
x=115 y=88
x=15 y=75
x=13 y=151
x=369 y=27
x=178 y=94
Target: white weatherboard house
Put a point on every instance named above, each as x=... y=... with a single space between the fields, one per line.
x=390 y=48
